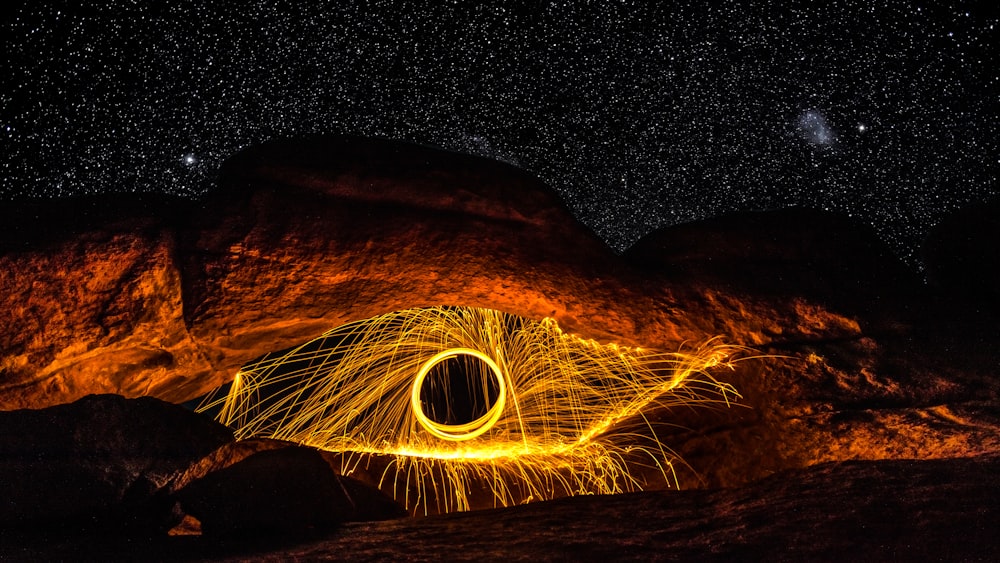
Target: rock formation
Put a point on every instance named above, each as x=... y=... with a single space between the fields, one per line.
x=102 y=463
x=144 y=295
x=286 y=490
x=156 y=296
x=169 y=298
x=116 y=467
x=888 y=510
x=899 y=510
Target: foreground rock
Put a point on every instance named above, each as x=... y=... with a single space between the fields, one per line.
x=110 y=466
x=102 y=464
x=287 y=490
x=872 y=510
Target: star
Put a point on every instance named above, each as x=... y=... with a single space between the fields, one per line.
x=687 y=104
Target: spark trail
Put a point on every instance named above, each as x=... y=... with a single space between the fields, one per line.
x=461 y=398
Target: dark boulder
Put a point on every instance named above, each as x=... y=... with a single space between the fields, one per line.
x=103 y=462
x=817 y=253
x=281 y=491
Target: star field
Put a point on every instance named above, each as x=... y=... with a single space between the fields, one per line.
x=641 y=115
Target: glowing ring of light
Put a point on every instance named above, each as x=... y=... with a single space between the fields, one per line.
x=469 y=430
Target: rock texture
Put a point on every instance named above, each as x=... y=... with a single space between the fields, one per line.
x=90 y=301
x=150 y=296
x=870 y=368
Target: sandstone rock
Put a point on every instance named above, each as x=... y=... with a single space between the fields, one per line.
x=90 y=296
x=169 y=298
x=103 y=463
x=287 y=490
x=869 y=371
x=856 y=399
x=303 y=236
x=276 y=260
x=157 y=296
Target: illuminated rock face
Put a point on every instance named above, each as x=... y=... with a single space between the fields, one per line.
x=139 y=295
x=153 y=296
x=169 y=298
x=90 y=302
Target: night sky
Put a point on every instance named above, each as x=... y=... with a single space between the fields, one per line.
x=640 y=114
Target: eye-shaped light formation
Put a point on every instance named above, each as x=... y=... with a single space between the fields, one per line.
x=463 y=400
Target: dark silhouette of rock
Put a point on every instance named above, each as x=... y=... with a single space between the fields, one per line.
x=366 y=501
x=889 y=510
x=227 y=455
x=819 y=254
x=961 y=253
x=102 y=463
x=907 y=510
x=286 y=490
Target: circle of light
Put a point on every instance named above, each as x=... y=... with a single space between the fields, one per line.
x=469 y=430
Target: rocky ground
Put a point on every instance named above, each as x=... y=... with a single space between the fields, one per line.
x=869 y=424
x=859 y=511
